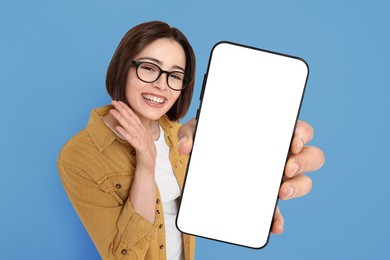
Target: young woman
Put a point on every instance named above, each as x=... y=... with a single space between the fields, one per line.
x=124 y=173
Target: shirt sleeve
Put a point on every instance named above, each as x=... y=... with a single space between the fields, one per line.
x=117 y=231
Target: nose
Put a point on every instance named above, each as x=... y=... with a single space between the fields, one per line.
x=162 y=81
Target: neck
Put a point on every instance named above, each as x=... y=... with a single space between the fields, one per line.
x=150 y=125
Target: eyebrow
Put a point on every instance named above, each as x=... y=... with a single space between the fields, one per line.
x=160 y=62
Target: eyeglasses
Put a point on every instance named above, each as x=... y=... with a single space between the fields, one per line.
x=150 y=72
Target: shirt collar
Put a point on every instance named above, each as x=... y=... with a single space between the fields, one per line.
x=102 y=136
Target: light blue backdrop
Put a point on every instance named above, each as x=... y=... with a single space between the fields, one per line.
x=53 y=60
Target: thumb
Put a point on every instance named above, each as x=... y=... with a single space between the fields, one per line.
x=185 y=135
x=185 y=145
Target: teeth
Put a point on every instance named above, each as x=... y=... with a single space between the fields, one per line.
x=153 y=98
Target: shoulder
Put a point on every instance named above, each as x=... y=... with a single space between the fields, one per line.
x=95 y=151
x=78 y=152
x=84 y=146
x=80 y=144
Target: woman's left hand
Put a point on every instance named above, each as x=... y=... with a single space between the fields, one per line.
x=301 y=159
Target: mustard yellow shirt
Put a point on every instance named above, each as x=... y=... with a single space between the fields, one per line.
x=97 y=168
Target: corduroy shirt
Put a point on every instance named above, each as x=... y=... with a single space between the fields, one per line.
x=97 y=169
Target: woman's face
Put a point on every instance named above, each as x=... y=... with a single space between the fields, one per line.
x=152 y=100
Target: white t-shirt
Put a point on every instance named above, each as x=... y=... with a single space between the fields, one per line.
x=170 y=196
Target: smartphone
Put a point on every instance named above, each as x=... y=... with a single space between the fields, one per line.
x=249 y=106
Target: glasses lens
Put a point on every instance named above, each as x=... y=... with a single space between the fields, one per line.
x=176 y=80
x=148 y=72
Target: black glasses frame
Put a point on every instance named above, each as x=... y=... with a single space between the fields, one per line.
x=138 y=63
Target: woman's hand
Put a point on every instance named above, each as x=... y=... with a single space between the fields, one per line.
x=136 y=134
x=186 y=136
x=301 y=159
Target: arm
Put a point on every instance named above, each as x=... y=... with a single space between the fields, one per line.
x=117 y=231
x=143 y=189
x=120 y=229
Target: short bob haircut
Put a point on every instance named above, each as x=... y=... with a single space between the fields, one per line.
x=131 y=44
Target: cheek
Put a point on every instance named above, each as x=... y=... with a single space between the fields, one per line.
x=131 y=81
x=175 y=96
x=132 y=86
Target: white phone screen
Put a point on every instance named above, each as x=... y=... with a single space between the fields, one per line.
x=249 y=108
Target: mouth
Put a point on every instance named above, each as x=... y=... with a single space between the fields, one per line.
x=154 y=99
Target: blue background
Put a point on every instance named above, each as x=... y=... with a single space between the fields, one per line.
x=53 y=61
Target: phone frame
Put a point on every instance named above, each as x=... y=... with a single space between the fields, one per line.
x=198 y=118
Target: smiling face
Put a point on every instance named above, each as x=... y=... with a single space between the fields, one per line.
x=152 y=100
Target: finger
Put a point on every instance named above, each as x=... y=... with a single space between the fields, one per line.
x=311 y=158
x=124 y=110
x=130 y=112
x=186 y=135
x=277 y=223
x=126 y=117
x=127 y=123
x=187 y=129
x=132 y=139
x=295 y=187
x=130 y=128
x=303 y=134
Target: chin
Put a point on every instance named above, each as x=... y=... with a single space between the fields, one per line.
x=153 y=115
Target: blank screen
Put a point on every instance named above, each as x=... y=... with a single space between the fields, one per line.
x=247 y=116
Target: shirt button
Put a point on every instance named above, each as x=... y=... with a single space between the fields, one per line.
x=118 y=186
x=158 y=201
x=158 y=212
x=162 y=247
x=161 y=226
x=124 y=251
x=133 y=152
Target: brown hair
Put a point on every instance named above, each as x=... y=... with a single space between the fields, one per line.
x=131 y=44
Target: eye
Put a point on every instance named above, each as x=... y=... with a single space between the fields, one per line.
x=148 y=67
x=177 y=76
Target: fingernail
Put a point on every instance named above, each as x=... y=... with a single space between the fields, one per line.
x=289 y=192
x=182 y=140
x=300 y=144
x=295 y=168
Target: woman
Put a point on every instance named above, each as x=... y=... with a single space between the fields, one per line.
x=123 y=173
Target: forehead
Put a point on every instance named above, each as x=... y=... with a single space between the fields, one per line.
x=168 y=51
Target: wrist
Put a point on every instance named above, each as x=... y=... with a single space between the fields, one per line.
x=145 y=169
